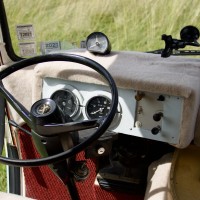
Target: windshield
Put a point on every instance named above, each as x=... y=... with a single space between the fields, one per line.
x=38 y=26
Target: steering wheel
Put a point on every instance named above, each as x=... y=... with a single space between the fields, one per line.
x=52 y=128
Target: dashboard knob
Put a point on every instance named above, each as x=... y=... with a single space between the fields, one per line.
x=156 y=130
x=157 y=116
x=161 y=98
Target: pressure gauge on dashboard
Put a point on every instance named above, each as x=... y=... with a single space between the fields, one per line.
x=98 y=43
x=99 y=106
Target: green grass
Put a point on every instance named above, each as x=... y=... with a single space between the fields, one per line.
x=3 y=185
x=130 y=24
x=2 y=177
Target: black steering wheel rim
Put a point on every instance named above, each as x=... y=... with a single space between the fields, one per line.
x=25 y=114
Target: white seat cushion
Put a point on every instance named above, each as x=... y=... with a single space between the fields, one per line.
x=8 y=196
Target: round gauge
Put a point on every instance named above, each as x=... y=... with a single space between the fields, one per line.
x=98 y=107
x=43 y=109
x=66 y=101
x=46 y=111
x=98 y=42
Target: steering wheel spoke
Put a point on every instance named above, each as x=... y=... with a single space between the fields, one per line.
x=54 y=129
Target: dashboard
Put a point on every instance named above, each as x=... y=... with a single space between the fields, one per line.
x=141 y=114
x=158 y=101
x=158 y=98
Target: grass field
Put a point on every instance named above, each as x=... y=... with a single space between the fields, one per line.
x=129 y=24
x=3 y=176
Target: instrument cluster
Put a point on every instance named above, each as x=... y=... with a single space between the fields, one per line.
x=82 y=103
x=141 y=114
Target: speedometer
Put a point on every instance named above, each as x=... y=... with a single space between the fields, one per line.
x=66 y=101
x=98 y=107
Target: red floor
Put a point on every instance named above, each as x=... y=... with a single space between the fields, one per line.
x=42 y=184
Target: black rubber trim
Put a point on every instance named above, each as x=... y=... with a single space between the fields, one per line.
x=6 y=34
x=14 y=172
x=2 y=123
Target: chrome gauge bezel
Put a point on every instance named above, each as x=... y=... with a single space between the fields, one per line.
x=51 y=85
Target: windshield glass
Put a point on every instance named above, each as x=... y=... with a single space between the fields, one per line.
x=38 y=26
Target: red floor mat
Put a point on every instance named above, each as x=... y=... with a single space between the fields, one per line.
x=42 y=184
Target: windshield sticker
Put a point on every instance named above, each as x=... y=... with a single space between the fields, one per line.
x=47 y=47
x=25 y=32
x=27 y=49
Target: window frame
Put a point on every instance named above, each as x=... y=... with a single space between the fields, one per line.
x=6 y=34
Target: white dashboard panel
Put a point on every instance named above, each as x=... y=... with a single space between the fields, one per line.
x=133 y=117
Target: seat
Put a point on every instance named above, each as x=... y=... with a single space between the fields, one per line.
x=8 y=196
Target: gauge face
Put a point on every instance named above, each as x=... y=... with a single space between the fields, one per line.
x=98 y=42
x=66 y=101
x=43 y=109
x=98 y=107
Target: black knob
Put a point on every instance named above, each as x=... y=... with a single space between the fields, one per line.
x=80 y=170
x=155 y=130
x=189 y=34
x=161 y=98
x=157 y=116
x=45 y=111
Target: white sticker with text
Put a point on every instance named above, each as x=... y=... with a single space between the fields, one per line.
x=27 y=49
x=47 y=47
x=25 y=32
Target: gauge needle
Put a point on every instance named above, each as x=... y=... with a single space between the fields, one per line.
x=97 y=41
x=99 y=110
x=93 y=45
x=95 y=112
x=45 y=108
